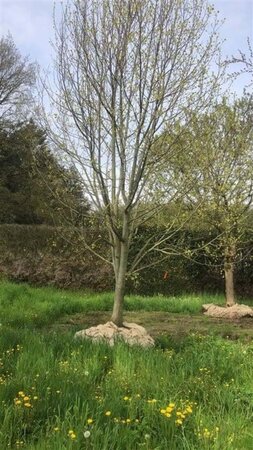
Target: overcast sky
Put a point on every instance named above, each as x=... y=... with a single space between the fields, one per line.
x=30 y=23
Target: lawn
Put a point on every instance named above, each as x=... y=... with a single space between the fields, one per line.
x=193 y=391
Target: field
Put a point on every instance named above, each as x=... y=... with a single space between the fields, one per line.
x=193 y=391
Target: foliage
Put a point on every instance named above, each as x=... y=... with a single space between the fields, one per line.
x=17 y=78
x=34 y=187
x=213 y=169
x=57 y=256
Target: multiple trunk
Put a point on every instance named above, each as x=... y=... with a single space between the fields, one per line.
x=120 y=282
x=120 y=260
x=229 y=275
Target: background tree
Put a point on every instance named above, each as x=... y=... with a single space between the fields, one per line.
x=124 y=70
x=31 y=180
x=17 y=77
x=215 y=165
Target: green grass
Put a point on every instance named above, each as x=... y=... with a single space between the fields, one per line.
x=23 y=305
x=70 y=383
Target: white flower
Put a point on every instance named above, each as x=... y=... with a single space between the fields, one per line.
x=86 y=434
x=147 y=437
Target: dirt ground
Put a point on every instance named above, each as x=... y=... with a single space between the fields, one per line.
x=161 y=323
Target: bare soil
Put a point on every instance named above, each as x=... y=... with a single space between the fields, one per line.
x=161 y=323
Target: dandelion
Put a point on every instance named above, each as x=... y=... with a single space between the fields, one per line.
x=27 y=405
x=35 y=397
x=26 y=398
x=56 y=429
x=126 y=398
x=147 y=437
x=152 y=401
x=108 y=413
x=169 y=409
x=17 y=402
x=189 y=409
x=179 y=422
x=86 y=434
x=89 y=421
x=72 y=434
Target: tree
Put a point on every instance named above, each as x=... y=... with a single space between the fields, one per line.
x=31 y=180
x=124 y=70
x=216 y=166
x=17 y=77
x=246 y=61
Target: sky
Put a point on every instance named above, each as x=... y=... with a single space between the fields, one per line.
x=30 y=24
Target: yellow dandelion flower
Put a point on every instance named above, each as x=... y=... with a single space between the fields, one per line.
x=189 y=409
x=26 y=398
x=108 y=413
x=163 y=411
x=168 y=414
x=56 y=429
x=126 y=398
x=89 y=421
x=179 y=422
x=17 y=402
x=169 y=409
x=27 y=405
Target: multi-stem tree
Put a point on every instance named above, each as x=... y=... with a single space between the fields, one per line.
x=215 y=166
x=124 y=70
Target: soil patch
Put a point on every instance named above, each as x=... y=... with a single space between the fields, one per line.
x=160 y=323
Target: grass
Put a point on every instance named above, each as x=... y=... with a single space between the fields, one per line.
x=31 y=306
x=193 y=392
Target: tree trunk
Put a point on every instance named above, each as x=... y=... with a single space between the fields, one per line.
x=229 y=276
x=120 y=268
x=117 y=314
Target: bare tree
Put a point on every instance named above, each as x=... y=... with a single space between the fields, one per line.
x=17 y=76
x=246 y=62
x=124 y=70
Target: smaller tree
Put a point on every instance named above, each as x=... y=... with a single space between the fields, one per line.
x=17 y=76
x=215 y=169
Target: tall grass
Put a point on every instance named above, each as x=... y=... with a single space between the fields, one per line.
x=57 y=393
x=23 y=305
x=54 y=389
